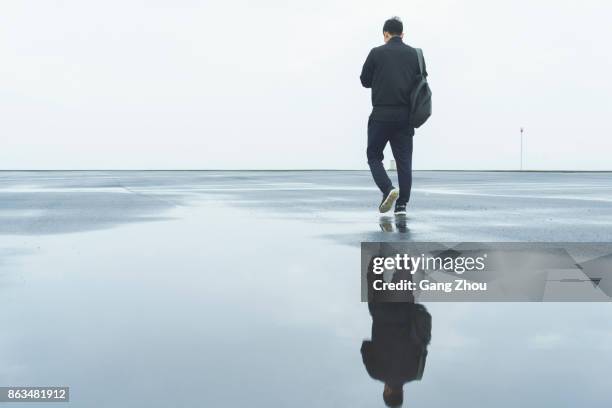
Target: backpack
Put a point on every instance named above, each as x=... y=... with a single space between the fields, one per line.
x=420 y=98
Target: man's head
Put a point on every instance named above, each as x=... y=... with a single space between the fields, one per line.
x=393 y=395
x=393 y=27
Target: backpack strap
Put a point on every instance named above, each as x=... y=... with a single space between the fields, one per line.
x=420 y=58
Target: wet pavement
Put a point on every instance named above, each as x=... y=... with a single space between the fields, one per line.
x=241 y=289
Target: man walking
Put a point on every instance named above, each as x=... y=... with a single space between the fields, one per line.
x=391 y=71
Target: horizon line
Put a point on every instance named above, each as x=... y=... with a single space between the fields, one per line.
x=313 y=170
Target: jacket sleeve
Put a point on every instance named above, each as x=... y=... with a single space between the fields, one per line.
x=370 y=360
x=367 y=72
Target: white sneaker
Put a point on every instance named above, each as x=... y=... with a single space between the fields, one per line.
x=388 y=200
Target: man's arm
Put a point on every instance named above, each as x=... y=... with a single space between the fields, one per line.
x=367 y=72
x=371 y=361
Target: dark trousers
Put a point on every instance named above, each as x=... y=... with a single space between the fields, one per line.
x=399 y=134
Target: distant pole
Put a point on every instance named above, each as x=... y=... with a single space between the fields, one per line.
x=522 y=130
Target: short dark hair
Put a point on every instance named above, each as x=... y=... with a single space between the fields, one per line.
x=395 y=398
x=393 y=26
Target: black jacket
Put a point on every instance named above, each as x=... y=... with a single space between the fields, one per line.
x=397 y=353
x=391 y=71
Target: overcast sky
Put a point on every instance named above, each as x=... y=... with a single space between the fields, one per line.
x=275 y=84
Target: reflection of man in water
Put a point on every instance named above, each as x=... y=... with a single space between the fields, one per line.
x=397 y=352
x=401 y=331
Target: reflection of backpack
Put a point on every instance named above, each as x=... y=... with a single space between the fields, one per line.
x=421 y=334
x=420 y=98
x=421 y=324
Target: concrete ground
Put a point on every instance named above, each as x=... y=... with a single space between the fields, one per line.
x=241 y=289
